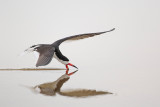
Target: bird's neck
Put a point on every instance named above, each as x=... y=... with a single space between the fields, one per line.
x=60 y=55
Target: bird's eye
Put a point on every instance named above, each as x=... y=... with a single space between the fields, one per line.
x=35 y=49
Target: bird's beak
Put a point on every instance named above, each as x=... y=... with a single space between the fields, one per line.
x=72 y=73
x=72 y=65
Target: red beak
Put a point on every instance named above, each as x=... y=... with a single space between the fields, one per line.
x=72 y=73
x=72 y=65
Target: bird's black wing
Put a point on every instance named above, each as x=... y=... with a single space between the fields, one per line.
x=80 y=36
x=46 y=53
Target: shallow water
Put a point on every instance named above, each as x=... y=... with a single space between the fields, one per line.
x=129 y=88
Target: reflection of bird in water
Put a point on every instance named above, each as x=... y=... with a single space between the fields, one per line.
x=54 y=87
x=48 y=51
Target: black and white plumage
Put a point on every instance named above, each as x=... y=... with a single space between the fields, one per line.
x=48 y=51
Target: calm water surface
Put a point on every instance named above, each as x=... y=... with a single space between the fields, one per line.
x=130 y=88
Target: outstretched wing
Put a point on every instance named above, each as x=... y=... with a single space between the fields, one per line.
x=46 y=53
x=80 y=36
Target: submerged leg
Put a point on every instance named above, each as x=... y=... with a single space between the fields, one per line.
x=69 y=74
x=67 y=71
x=72 y=73
x=67 y=67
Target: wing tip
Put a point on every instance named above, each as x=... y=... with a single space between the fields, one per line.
x=113 y=29
x=110 y=30
x=37 y=65
x=107 y=31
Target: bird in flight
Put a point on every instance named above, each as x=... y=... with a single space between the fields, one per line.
x=49 y=51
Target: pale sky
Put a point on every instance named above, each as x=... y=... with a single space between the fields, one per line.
x=134 y=42
x=134 y=46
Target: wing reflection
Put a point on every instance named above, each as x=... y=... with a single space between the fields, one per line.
x=54 y=87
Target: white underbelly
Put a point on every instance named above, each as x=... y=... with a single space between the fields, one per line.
x=61 y=61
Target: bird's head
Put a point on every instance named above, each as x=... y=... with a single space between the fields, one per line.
x=70 y=65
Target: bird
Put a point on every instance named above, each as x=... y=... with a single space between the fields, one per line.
x=49 y=51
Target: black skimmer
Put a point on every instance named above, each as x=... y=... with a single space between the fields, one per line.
x=48 y=51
